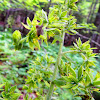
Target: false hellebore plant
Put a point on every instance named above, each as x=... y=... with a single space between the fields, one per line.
x=56 y=24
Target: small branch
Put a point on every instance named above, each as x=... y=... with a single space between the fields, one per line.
x=88 y=39
x=71 y=51
x=69 y=59
x=56 y=68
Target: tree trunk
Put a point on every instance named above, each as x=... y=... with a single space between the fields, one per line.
x=88 y=18
x=97 y=20
x=91 y=15
x=97 y=24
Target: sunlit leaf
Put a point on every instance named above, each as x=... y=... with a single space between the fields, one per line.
x=31 y=45
x=44 y=15
x=72 y=71
x=12 y=89
x=47 y=84
x=1 y=85
x=64 y=13
x=66 y=78
x=73 y=31
x=96 y=82
x=67 y=86
x=88 y=79
x=73 y=79
x=80 y=72
x=27 y=27
x=28 y=22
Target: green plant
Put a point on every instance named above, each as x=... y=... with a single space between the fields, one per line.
x=79 y=79
x=10 y=21
x=9 y=92
x=28 y=4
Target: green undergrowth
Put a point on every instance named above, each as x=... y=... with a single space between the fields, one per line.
x=21 y=60
x=15 y=64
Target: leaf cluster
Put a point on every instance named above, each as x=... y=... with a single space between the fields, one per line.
x=78 y=79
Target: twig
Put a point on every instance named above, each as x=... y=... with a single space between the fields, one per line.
x=88 y=39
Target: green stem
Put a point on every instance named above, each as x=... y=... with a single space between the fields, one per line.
x=57 y=64
x=71 y=51
x=56 y=69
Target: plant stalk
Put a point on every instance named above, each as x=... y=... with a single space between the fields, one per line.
x=71 y=51
x=57 y=64
x=56 y=68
